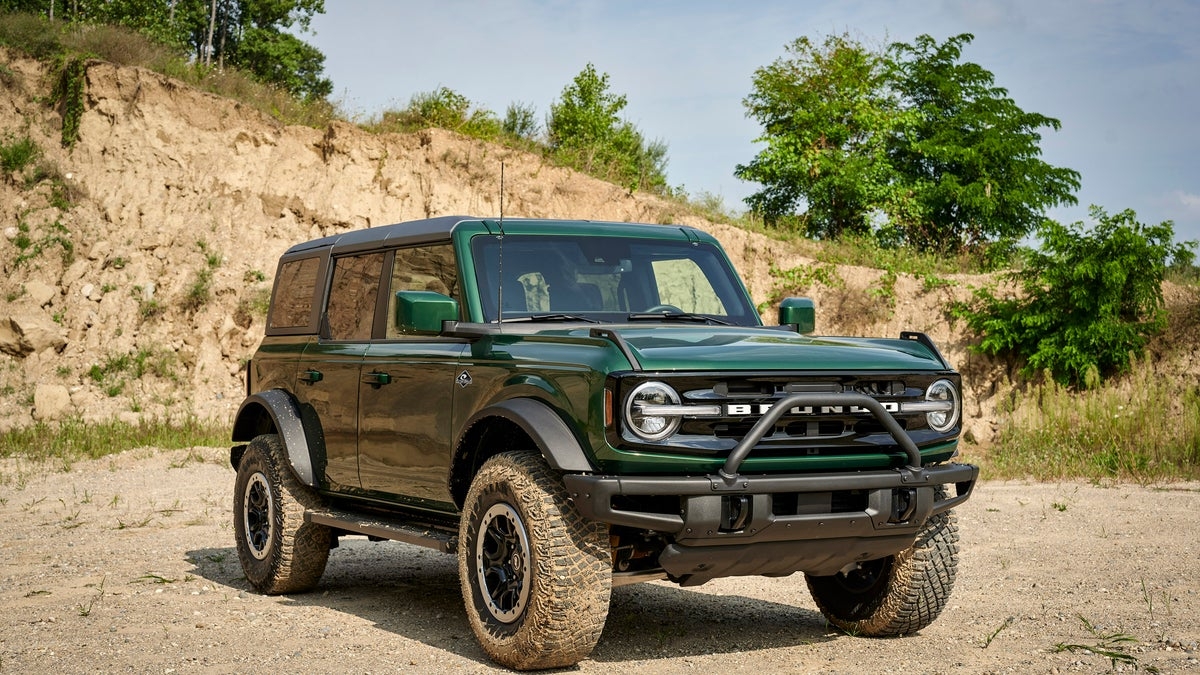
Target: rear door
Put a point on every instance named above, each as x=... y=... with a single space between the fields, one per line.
x=329 y=373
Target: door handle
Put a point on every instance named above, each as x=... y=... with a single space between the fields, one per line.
x=376 y=379
x=311 y=376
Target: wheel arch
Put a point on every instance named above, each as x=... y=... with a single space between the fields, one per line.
x=507 y=425
x=274 y=411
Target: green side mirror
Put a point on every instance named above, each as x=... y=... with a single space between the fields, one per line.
x=423 y=311
x=799 y=313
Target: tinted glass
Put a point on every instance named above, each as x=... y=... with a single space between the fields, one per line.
x=607 y=278
x=422 y=268
x=352 y=296
x=294 y=292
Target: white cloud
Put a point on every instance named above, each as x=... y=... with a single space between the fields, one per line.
x=1189 y=202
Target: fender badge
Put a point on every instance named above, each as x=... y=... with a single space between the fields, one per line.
x=463 y=379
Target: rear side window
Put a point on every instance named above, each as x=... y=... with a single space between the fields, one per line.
x=295 y=289
x=353 y=295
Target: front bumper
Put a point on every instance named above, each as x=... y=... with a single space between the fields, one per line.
x=776 y=524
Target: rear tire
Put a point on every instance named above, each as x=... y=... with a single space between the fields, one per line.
x=536 y=576
x=896 y=595
x=279 y=551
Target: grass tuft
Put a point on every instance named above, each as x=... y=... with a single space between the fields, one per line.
x=74 y=439
x=1142 y=428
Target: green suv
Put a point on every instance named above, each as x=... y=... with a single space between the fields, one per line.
x=569 y=406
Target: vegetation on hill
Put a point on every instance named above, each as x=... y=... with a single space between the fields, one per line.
x=249 y=35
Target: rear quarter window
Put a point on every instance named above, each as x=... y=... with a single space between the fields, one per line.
x=295 y=297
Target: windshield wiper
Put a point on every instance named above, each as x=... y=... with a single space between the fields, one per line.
x=678 y=316
x=552 y=316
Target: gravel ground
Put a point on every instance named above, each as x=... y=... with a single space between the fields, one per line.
x=127 y=564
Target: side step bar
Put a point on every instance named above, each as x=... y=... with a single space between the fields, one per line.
x=383 y=528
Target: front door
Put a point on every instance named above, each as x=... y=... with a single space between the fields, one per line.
x=406 y=389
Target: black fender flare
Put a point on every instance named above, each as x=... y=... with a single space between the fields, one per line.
x=285 y=416
x=549 y=432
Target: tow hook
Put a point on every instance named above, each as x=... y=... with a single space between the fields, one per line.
x=904 y=502
x=735 y=512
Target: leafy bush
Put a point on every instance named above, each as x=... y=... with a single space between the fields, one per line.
x=200 y=292
x=520 y=121
x=1088 y=298
x=443 y=108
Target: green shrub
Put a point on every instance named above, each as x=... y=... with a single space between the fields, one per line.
x=1088 y=299
x=29 y=249
x=117 y=369
x=30 y=33
x=443 y=108
x=200 y=292
x=18 y=153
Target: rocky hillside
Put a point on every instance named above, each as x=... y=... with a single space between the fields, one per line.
x=136 y=265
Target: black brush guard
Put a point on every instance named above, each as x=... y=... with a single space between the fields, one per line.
x=709 y=542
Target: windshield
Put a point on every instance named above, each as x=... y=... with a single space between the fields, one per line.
x=607 y=279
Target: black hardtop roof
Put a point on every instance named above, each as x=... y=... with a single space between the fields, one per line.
x=439 y=229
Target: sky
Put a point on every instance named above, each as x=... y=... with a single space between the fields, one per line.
x=1123 y=76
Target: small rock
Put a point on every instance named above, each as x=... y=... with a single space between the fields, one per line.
x=26 y=334
x=50 y=402
x=41 y=293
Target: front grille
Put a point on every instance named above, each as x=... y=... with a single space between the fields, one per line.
x=814 y=431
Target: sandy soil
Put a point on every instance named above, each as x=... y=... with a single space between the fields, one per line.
x=127 y=564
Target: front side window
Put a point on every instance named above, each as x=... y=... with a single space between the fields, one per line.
x=353 y=295
x=421 y=268
x=606 y=278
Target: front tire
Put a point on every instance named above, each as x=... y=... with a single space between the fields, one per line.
x=536 y=576
x=279 y=551
x=896 y=595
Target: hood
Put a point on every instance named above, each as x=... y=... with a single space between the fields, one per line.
x=710 y=347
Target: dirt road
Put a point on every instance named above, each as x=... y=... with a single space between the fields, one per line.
x=127 y=564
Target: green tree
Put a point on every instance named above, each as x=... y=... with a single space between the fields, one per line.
x=826 y=113
x=970 y=156
x=281 y=58
x=1088 y=298
x=586 y=132
x=908 y=138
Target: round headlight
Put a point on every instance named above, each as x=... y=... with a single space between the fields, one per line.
x=943 y=392
x=640 y=413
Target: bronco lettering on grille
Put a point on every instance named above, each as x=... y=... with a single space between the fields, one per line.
x=746 y=409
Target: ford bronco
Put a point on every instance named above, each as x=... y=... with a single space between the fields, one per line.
x=569 y=406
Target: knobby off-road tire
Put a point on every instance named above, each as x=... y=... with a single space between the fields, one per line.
x=536 y=577
x=896 y=595
x=279 y=552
